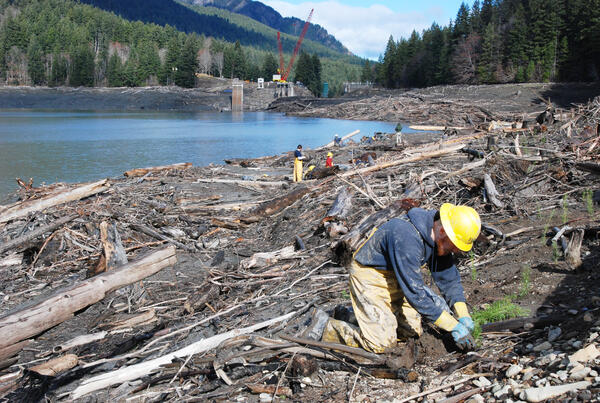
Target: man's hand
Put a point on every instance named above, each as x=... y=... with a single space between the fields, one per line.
x=468 y=323
x=462 y=337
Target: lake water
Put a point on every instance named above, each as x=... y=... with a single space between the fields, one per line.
x=51 y=146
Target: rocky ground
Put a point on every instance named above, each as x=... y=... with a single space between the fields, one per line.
x=254 y=249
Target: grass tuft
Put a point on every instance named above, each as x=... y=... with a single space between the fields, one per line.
x=500 y=310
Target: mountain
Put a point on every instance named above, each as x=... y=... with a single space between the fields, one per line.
x=270 y=17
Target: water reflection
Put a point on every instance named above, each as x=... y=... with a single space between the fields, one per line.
x=84 y=146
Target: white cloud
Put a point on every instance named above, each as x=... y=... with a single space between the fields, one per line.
x=363 y=30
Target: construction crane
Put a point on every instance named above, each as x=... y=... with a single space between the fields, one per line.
x=285 y=73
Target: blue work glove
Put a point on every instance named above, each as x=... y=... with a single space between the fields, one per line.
x=462 y=337
x=467 y=322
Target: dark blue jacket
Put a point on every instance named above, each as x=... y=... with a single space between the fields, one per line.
x=298 y=154
x=404 y=244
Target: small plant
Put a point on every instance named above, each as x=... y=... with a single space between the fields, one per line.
x=473 y=267
x=344 y=294
x=588 y=199
x=500 y=310
x=565 y=209
x=525 y=282
x=555 y=252
x=546 y=227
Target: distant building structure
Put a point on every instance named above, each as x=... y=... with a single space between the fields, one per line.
x=237 y=96
x=325 y=92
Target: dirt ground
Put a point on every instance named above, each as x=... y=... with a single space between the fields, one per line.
x=217 y=216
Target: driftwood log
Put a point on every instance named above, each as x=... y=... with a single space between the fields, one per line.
x=31 y=206
x=136 y=371
x=14 y=243
x=61 y=306
x=143 y=171
x=113 y=252
x=276 y=205
x=417 y=157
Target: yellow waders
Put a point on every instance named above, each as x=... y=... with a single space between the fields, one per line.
x=381 y=309
x=297 y=170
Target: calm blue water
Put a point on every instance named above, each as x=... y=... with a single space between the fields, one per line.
x=84 y=146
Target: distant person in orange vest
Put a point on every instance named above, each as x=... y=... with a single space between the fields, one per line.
x=298 y=157
x=329 y=160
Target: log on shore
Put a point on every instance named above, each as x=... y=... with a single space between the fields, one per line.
x=36 y=233
x=61 y=306
x=413 y=158
x=332 y=143
x=276 y=205
x=143 y=171
x=136 y=371
x=31 y=206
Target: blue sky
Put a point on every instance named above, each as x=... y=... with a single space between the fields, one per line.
x=365 y=26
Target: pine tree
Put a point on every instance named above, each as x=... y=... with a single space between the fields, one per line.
x=269 y=66
x=58 y=71
x=316 y=87
x=35 y=64
x=187 y=64
x=82 y=67
x=114 y=71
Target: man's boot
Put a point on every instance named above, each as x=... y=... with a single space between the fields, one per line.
x=317 y=325
x=346 y=314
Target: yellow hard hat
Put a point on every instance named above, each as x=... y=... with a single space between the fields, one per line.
x=330 y=154
x=461 y=223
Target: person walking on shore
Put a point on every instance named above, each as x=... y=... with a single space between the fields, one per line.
x=298 y=157
x=329 y=160
x=389 y=295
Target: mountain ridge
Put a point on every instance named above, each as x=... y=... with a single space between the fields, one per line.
x=269 y=16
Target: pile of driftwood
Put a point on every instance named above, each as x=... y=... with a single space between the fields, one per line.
x=190 y=283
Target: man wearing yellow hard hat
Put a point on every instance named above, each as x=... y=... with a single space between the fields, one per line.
x=389 y=295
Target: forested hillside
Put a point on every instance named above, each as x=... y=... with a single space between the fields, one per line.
x=497 y=42
x=270 y=17
x=58 y=42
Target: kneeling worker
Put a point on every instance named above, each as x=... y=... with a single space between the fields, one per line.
x=388 y=292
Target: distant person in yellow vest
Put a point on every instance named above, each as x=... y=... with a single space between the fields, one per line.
x=298 y=157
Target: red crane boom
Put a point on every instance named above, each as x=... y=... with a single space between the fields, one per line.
x=284 y=75
x=281 y=67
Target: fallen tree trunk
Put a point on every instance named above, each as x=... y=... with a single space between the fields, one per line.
x=31 y=206
x=149 y=231
x=332 y=143
x=276 y=205
x=36 y=233
x=61 y=306
x=413 y=158
x=114 y=254
x=515 y=324
x=143 y=171
x=242 y=182
x=136 y=371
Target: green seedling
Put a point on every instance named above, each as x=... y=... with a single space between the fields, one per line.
x=546 y=227
x=589 y=201
x=473 y=267
x=500 y=310
x=345 y=294
x=565 y=209
x=525 y=282
x=555 y=252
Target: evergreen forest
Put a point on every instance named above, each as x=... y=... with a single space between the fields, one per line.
x=498 y=41
x=63 y=42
